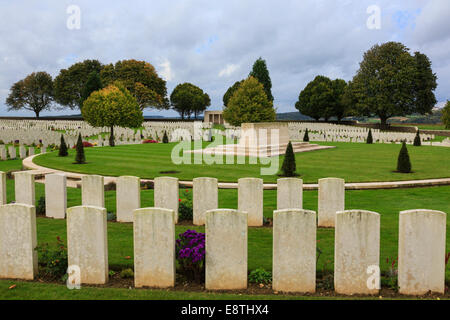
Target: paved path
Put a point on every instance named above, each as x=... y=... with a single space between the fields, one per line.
x=74 y=180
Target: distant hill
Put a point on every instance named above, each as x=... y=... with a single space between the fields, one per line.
x=293 y=116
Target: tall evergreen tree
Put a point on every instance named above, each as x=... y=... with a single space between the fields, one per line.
x=261 y=73
x=288 y=168
x=165 y=138
x=403 y=162
x=63 y=148
x=80 y=158
x=369 y=137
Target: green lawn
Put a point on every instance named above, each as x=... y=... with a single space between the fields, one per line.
x=120 y=236
x=421 y=126
x=353 y=162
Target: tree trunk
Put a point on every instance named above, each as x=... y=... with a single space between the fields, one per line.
x=111 y=137
x=383 y=120
x=37 y=114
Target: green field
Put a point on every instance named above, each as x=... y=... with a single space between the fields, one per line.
x=354 y=162
x=120 y=236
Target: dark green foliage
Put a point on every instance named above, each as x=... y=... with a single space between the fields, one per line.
x=187 y=99
x=260 y=276
x=288 y=168
x=369 y=137
x=92 y=84
x=71 y=82
x=261 y=73
x=230 y=92
x=40 y=207
x=403 y=163
x=185 y=211
x=63 y=148
x=52 y=260
x=306 y=136
x=317 y=99
x=165 y=138
x=80 y=158
x=417 y=142
x=391 y=82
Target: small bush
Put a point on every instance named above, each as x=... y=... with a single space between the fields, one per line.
x=288 y=168
x=52 y=260
x=126 y=273
x=369 y=137
x=185 y=211
x=260 y=276
x=306 y=136
x=190 y=254
x=40 y=207
x=111 y=186
x=403 y=162
x=417 y=142
x=80 y=158
x=63 y=148
x=165 y=138
x=111 y=216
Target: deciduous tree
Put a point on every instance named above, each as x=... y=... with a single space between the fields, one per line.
x=249 y=104
x=110 y=107
x=34 y=93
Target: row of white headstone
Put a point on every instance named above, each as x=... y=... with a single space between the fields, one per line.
x=422 y=237
x=421 y=251
x=166 y=195
x=11 y=152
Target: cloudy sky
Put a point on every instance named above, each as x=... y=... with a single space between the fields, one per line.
x=212 y=44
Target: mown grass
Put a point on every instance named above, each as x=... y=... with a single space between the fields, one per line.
x=354 y=162
x=120 y=236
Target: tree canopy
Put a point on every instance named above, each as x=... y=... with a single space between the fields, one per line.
x=34 y=93
x=392 y=82
x=71 y=82
x=249 y=104
x=110 y=107
x=141 y=79
x=187 y=98
x=92 y=84
x=231 y=90
x=318 y=98
x=261 y=73
x=446 y=115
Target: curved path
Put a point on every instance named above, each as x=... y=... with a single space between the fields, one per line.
x=74 y=180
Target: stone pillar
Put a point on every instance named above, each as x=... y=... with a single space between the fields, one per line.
x=331 y=200
x=294 y=250
x=289 y=193
x=154 y=247
x=24 y=187
x=55 y=195
x=93 y=191
x=3 y=198
x=226 y=250
x=205 y=197
x=166 y=194
x=128 y=197
x=356 y=248
x=87 y=243
x=18 y=257
x=250 y=200
x=421 y=252
x=12 y=152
